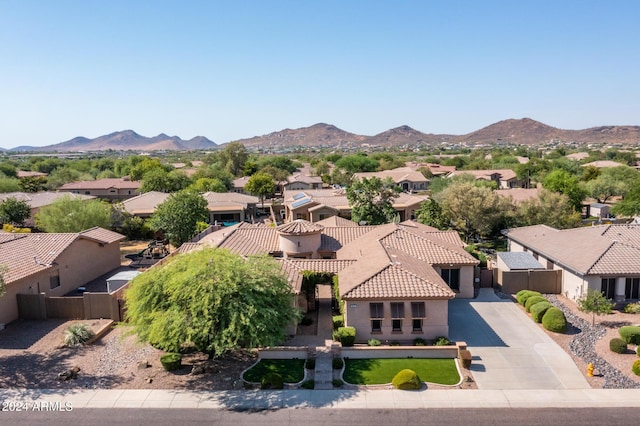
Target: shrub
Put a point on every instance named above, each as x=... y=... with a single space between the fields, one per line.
x=532 y=301
x=538 y=310
x=554 y=320
x=271 y=381
x=441 y=341
x=171 y=361
x=465 y=357
x=636 y=367
x=77 y=334
x=618 y=345
x=346 y=335
x=373 y=342
x=306 y=321
x=638 y=350
x=407 y=380
x=310 y=363
x=419 y=341
x=307 y=384
x=337 y=363
x=632 y=308
x=523 y=295
x=630 y=334
x=338 y=321
x=337 y=383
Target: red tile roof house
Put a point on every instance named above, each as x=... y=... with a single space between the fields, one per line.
x=405 y=177
x=604 y=258
x=36 y=200
x=395 y=279
x=108 y=189
x=505 y=178
x=54 y=264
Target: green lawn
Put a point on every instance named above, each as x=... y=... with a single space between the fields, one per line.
x=291 y=370
x=381 y=371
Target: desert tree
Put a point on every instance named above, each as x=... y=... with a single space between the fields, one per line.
x=178 y=216
x=69 y=214
x=14 y=211
x=371 y=200
x=595 y=303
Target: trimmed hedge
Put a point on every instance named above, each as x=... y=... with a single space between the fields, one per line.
x=346 y=335
x=171 y=361
x=630 y=334
x=554 y=320
x=465 y=357
x=310 y=363
x=523 y=295
x=532 y=301
x=407 y=380
x=617 y=345
x=272 y=381
x=338 y=321
x=636 y=367
x=538 y=310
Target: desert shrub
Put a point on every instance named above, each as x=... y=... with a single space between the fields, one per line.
x=532 y=301
x=77 y=334
x=632 y=308
x=337 y=383
x=465 y=357
x=419 y=341
x=441 y=341
x=630 y=334
x=307 y=384
x=636 y=367
x=338 y=321
x=538 y=310
x=271 y=381
x=406 y=380
x=337 y=363
x=345 y=335
x=171 y=361
x=306 y=321
x=554 y=320
x=523 y=295
x=310 y=363
x=373 y=342
x=618 y=345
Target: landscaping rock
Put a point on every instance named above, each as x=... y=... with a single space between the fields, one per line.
x=143 y=364
x=197 y=369
x=70 y=374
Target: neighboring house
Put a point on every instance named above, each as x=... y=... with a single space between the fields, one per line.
x=25 y=174
x=319 y=204
x=604 y=258
x=520 y=195
x=434 y=168
x=578 y=156
x=144 y=205
x=504 y=178
x=599 y=210
x=230 y=207
x=301 y=181
x=395 y=279
x=54 y=264
x=239 y=184
x=36 y=200
x=108 y=189
x=406 y=178
x=603 y=164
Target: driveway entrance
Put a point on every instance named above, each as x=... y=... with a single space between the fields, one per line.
x=509 y=349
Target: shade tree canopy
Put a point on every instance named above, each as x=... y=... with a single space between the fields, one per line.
x=69 y=214
x=178 y=216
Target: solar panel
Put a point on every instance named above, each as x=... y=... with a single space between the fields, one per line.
x=298 y=196
x=301 y=202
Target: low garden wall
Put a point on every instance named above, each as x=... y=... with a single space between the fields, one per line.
x=283 y=352
x=359 y=352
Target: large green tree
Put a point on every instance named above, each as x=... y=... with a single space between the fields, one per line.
x=430 y=214
x=371 y=200
x=550 y=208
x=561 y=181
x=261 y=185
x=14 y=211
x=630 y=204
x=232 y=158
x=212 y=300
x=179 y=215
x=69 y=214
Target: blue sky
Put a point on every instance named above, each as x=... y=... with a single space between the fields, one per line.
x=236 y=69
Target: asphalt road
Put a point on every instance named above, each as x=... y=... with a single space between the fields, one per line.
x=326 y=416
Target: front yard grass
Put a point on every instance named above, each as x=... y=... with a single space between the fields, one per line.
x=381 y=371
x=291 y=370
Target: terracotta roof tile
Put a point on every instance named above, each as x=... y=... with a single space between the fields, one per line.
x=298 y=227
x=102 y=235
x=118 y=183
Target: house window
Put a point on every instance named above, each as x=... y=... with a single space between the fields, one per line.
x=451 y=277
x=54 y=281
x=376 y=312
x=631 y=287
x=322 y=216
x=87 y=192
x=418 y=313
x=113 y=191
x=397 y=314
x=608 y=287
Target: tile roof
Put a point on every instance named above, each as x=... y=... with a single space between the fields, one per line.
x=118 y=183
x=600 y=164
x=40 y=199
x=298 y=227
x=101 y=235
x=503 y=174
x=24 y=174
x=293 y=268
x=144 y=204
x=398 y=175
x=230 y=199
x=304 y=178
x=334 y=221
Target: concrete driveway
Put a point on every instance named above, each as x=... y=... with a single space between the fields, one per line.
x=509 y=349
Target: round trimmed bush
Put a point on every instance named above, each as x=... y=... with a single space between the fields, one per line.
x=618 y=345
x=271 y=381
x=554 y=320
x=630 y=334
x=171 y=361
x=407 y=380
x=374 y=342
x=636 y=367
x=532 y=301
x=523 y=295
x=538 y=310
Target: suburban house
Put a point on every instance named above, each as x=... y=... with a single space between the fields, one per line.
x=435 y=168
x=319 y=204
x=144 y=205
x=301 y=181
x=239 y=184
x=604 y=258
x=406 y=178
x=108 y=189
x=54 y=264
x=603 y=164
x=599 y=210
x=504 y=178
x=28 y=174
x=37 y=200
x=395 y=279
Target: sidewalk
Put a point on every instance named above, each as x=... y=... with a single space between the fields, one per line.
x=374 y=399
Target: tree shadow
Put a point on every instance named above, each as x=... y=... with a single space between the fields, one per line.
x=614 y=324
x=23 y=334
x=263 y=400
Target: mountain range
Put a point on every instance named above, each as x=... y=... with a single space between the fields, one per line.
x=524 y=131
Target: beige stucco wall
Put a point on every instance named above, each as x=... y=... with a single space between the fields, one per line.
x=327 y=212
x=435 y=324
x=296 y=186
x=118 y=194
x=306 y=243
